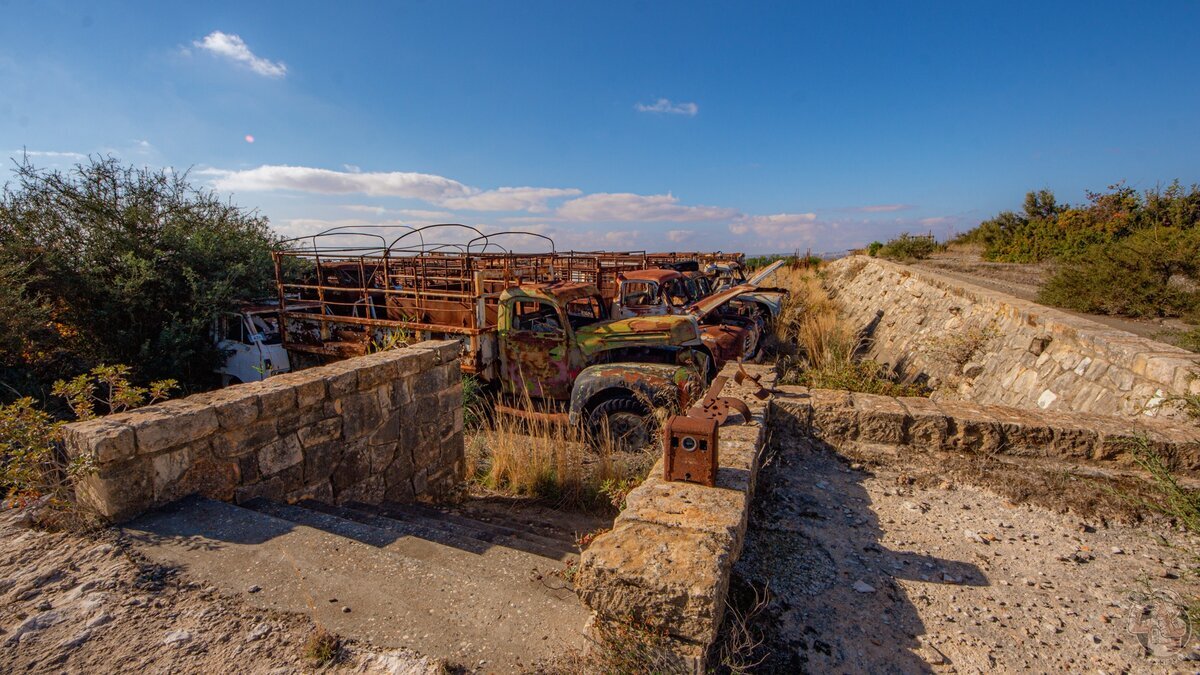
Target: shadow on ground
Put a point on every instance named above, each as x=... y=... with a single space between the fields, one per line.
x=815 y=544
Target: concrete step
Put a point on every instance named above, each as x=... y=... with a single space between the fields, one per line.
x=448 y=521
x=522 y=514
x=402 y=591
x=449 y=534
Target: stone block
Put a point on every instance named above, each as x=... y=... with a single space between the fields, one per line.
x=104 y=438
x=320 y=460
x=881 y=419
x=928 y=425
x=244 y=440
x=353 y=468
x=672 y=578
x=277 y=398
x=320 y=432
x=361 y=414
x=118 y=491
x=389 y=431
x=235 y=406
x=443 y=351
x=168 y=424
x=280 y=454
x=212 y=478
x=341 y=379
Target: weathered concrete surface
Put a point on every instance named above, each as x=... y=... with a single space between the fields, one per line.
x=383 y=426
x=842 y=417
x=1029 y=355
x=668 y=558
x=496 y=610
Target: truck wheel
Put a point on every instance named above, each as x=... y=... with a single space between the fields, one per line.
x=624 y=421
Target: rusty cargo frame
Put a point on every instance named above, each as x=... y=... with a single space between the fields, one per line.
x=427 y=281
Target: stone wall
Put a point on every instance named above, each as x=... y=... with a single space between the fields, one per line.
x=668 y=558
x=842 y=418
x=1028 y=355
x=383 y=426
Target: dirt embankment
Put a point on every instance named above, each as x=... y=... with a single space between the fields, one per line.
x=1024 y=281
x=86 y=604
x=890 y=569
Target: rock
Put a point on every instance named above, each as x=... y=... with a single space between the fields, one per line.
x=177 y=638
x=1117 y=550
x=43 y=606
x=258 y=632
x=254 y=589
x=863 y=587
x=345 y=610
x=33 y=624
x=98 y=620
x=918 y=508
x=78 y=639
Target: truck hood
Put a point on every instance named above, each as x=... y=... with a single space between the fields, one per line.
x=640 y=331
x=765 y=272
x=705 y=306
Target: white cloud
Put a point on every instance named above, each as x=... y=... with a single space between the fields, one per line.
x=679 y=236
x=51 y=154
x=423 y=186
x=883 y=208
x=664 y=105
x=939 y=220
x=530 y=199
x=232 y=47
x=787 y=230
x=422 y=214
x=352 y=168
x=626 y=207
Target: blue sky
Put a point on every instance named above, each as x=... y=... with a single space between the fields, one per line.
x=643 y=125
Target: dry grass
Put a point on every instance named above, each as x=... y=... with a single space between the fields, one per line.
x=322 y=647
x=537 y=458
x=816 y=348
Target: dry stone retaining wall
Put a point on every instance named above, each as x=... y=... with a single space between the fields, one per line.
x=383 y=426
x=1029 y=355
x=842 y=418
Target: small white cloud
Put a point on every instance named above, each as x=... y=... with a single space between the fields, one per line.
x=352 y=168
x=679 y=236
x=51 y=154
x=883 y=208
x=666 y=106
x=532 y=199
x=422 y=214
x=628 y=207
x=232 y=47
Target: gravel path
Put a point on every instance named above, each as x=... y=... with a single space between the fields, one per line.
x=86 y=604
x=869 y=573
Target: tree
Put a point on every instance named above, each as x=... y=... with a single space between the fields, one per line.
x=129 y=265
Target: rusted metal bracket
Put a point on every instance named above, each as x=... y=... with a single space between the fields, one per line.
x=741 y=377
x=716 y=407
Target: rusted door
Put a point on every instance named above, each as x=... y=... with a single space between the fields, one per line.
x=534 y=350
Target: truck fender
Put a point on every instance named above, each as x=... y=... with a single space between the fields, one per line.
x=659 y=384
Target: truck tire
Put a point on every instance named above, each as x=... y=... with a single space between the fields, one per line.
x=623 y=421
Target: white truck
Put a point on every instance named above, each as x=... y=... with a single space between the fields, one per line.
x=252 y=343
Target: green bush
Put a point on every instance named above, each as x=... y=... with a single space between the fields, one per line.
x=873 y=248
x=110 y=263
x=1123 y=252
x=909 y=247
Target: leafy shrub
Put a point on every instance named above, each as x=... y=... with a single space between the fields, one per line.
x=109 y=263
x=33 y=469
x=909 y=247
x=873 y=248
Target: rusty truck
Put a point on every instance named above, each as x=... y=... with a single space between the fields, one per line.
x=535 y=328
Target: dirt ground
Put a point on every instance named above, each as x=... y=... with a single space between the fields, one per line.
x=1023 y=280
x=87 y=604
x=871 y=570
